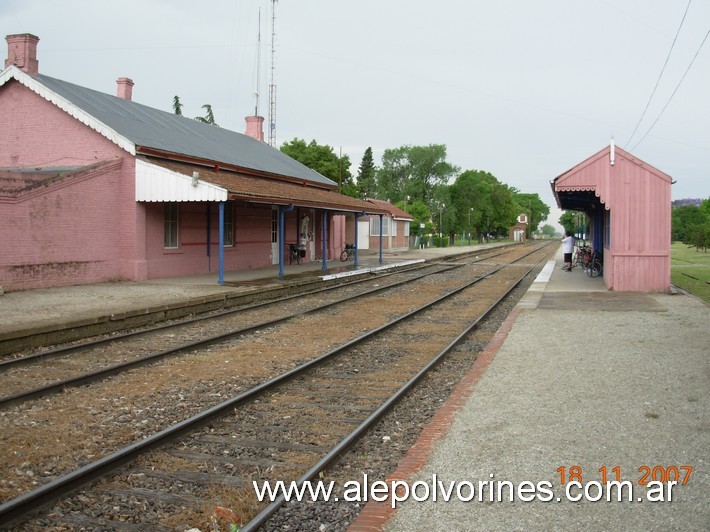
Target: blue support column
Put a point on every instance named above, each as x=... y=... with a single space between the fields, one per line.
x=380 y=215
x=324 y=267
x=283 y=209
x=221 y=242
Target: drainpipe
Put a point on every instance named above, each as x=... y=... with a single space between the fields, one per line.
x=283 y=209
x=221 y=243
x=380 y=215
x=357 y=215
x=325 y=240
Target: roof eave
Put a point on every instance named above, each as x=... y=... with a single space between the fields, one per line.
x=12 y=72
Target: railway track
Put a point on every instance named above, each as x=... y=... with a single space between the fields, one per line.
x=52 y=371
x=285 y=421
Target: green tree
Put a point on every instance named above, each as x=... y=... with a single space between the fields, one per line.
x=478 y=196
x=366 y=175
x=323 y=160
x=698 y=236
x=209 y=116
x=177 y=106
x=548 y=230
x=413 y=171
x=422 y=215
x=567 y=221
x=684 y=218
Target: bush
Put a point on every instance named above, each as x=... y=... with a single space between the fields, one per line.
x=440 y=242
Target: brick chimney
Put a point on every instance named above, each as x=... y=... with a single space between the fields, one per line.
x=125 y=88
x=255 y=127
x=22 y=52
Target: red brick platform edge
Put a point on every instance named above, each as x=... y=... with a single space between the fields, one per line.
x=375 y=514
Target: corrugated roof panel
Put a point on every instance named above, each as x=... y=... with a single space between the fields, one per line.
x=161 y=130
x=154 y=183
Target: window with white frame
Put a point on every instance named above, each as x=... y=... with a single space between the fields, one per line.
x=406 y=228
x=170 y=218
x=375 y=226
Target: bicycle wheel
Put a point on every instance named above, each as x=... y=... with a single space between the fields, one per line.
x=595 y=268
x=344 y=255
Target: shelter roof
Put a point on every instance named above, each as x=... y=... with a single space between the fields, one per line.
x=136 y=128
x=393 y=210
x=577 y=187
x=240 y=186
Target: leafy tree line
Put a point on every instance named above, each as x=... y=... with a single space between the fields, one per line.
x=690 y=224
x=419 y=180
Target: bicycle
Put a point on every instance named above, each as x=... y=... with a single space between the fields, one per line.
x=582 y=257
x=596 y=264
x=348 y=252
x=294 y=254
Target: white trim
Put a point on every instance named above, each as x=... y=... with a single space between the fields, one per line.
x=12 y=72
x=155 y=183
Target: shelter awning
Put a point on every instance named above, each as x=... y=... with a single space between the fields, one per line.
x=221 y=185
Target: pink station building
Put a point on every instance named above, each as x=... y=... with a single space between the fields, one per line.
x=629 y=206
x=96 y=187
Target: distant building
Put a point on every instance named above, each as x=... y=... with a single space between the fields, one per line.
x=518 y=232
x=395 y=228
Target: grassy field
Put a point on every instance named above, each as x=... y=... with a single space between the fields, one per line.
x=690 y=270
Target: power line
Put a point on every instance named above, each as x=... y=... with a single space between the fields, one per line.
x=674 y=91
x=659 y=75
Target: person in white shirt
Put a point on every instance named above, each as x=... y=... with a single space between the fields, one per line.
x=567 y=249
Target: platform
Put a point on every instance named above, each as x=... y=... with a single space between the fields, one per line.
x=68 y=306
x=577 y=377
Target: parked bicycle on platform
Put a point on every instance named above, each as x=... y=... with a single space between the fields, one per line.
x=295 y=254
x=348 y=252
x=596 y=264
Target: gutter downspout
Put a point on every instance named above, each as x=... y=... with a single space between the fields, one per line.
x=283 y=209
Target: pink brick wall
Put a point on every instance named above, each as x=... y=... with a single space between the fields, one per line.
x=89 y=228
x=42 y=240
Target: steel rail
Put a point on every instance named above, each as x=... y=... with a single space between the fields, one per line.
x=50 y=353
x=115 y=369
x=351 y=438
x=25 y=504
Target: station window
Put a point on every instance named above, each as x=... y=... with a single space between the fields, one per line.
x=274 y=226
x=375 y=226
x=229 y=225
x=170 y=217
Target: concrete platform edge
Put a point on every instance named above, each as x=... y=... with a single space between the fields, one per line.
x=377 y=514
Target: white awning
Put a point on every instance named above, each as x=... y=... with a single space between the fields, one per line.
x=154 y=183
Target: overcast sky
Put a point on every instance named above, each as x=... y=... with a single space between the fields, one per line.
x=523 y=89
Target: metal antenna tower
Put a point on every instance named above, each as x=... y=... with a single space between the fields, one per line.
x=272 y=84
x=257 y=87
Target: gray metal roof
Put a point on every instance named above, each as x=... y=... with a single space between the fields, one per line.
x=161 y=130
